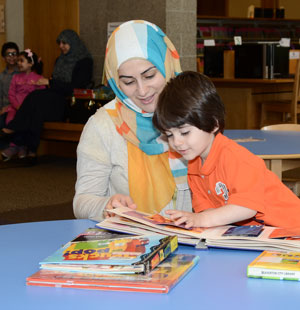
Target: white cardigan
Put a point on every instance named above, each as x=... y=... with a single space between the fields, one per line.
x=102 y=169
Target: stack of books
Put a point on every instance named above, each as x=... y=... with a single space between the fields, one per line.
x=256 y=237
x=103 y=260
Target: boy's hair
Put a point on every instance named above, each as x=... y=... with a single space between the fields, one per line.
x=37 y=64
x=9 y=45
x=190 y=98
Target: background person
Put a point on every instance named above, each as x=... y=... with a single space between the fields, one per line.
x=22 y=84
x=121 y=159
x=9 y=52
x=73 y=69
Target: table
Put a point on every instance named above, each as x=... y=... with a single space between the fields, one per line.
x=279 y=149
x=219 y=280
x=242 y=98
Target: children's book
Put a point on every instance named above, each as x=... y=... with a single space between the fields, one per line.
x=136 y=254
x=118 y=224
x=257 y=237
x=160 y=280
x=275 y=265
x=92 y=234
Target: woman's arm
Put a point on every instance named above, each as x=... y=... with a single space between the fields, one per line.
x=224 y=215
x=81 y=78
x=102 y=167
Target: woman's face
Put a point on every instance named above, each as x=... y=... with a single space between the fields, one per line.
x=64 y=47
x=141 y=82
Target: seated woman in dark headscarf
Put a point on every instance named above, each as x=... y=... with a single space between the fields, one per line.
x=73 y=69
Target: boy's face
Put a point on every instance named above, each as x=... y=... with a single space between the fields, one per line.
x=11 y=56
x=190 y=142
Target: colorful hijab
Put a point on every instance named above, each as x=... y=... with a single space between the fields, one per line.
x=154 y=173
x=65 y=63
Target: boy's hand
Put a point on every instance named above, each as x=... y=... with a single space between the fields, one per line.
x=182 y=217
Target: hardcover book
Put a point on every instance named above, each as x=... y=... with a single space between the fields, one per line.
x=160 y=280
x=137 y=254
x=275 y=265
x=256 y=237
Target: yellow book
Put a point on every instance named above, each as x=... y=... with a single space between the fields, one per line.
x=275 y=265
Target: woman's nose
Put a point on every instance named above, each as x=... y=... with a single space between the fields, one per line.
x=142 y=88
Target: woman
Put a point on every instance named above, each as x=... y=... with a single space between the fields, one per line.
x=122 y=161
x=73 y=69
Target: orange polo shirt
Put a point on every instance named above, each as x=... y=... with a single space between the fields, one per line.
x=233 y=175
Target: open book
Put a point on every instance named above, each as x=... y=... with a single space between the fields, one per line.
x=228 y=236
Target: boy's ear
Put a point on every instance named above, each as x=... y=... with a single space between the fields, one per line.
x=215 y=129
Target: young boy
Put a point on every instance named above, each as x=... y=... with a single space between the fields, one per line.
x=229 y=184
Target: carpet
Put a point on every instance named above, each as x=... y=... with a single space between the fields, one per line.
x=41 y=192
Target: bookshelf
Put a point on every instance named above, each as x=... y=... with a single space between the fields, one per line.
x=223 y=30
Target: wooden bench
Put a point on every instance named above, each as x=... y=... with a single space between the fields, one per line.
x=61 y=131
x=60 y=139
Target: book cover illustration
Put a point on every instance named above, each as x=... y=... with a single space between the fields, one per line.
x=160 y=280
x=156 y=220
x=143 y=252
x=276 y=265
x=245 y=231
x=92 y=234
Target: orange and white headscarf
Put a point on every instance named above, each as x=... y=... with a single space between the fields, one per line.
x=154 y=172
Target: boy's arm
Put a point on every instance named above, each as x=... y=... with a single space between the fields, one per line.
x=224 y=215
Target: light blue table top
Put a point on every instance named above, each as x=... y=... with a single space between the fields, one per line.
x=271 y=142
x=219 y=280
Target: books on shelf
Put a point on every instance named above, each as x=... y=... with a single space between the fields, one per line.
x=275 y=265
x=164 y=277
x=108 y=252
x=237 y=237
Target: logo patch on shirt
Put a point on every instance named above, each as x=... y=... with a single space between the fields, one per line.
x=221 y=189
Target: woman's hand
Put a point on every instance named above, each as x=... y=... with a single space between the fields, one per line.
x=117 y=201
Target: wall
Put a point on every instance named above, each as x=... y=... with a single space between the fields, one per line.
x=292 y=8
x=14 y=11
x=181 y=28
x=51 y=16
x=94 y=16
x=176 y=17
x=2 y=40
